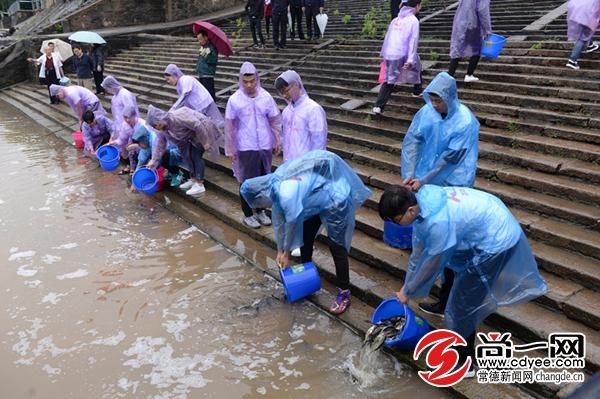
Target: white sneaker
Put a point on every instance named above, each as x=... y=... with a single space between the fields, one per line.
x=263 y=218
x=471 y=78
x=197 y=188
x=295 y=252
x=572 y=64
x=251 y=222
x=187 y=185
x=592 y=47
x=376 y=110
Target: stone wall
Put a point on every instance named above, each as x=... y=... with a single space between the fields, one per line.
x=14 y=66
x=183 y=9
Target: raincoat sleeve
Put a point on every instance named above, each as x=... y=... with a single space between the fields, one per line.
x=230 y=147
x=186 y=91
x=41 y=59
x=123 y=134
x=212 y=111
x=483 y=14
x=411 y=147
x=413 y=45
x=144 y=156
x=275 y=123
x=159 y=147
x=317 y=126
x=87 y=137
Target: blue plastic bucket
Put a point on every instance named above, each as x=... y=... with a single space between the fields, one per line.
x=108 y=156
x=300 y=281
x=414 y=328
x=145 y=180
x=396 y=235
x=492 y=45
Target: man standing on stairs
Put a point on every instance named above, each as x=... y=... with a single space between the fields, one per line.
x=296 y=14
x=84 y=68
x=252 y=135
x=304 y=121
x=192 y=94
x=206 y=66
x=441 y=147
x=314 y=189
x=312 y=8
x=582 y=21
x=472 y=23
x=280 y=19
x=98 y=58
x=474 y=234
x=255 y=10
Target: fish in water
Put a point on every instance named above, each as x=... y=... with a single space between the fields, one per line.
x=384 y=331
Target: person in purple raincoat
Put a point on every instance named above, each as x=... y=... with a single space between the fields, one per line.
x=399 y=53
x=583 y=17
x=252 y=134
x=121 y=98
x=79 y=99
x=304 y=121
x=122 y=138
x=96 y=132
x=472 y=23
x=192 y=133
x=192 y=94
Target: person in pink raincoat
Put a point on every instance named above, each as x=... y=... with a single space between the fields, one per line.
x=583 y=17
x=303 y=120
x=399 y=53
x=79 y=99
x=192 y=94
x=472 y=23
x=252 y=134
x=192 y=133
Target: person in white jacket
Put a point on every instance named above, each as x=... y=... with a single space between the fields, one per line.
x=50 y=69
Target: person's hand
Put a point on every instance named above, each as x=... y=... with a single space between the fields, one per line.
x=151 y=164
x=277 y=150
x=206 y=147
x=401 y=296
x=232 y=158
x=282 y=259
x=132 y=147
x=132 y=189
x=415 y=185
x=407 y=65
x=99 y=68
x=487 y=34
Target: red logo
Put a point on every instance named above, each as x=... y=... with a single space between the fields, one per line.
x=442 y=358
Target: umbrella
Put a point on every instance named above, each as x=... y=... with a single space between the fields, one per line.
x=216 y=36
x=87 y=37
x=63 y=48
x=322 y=22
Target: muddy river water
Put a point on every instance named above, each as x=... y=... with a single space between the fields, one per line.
x=105 y=294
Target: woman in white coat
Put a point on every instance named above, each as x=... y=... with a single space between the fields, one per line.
x=50 y=69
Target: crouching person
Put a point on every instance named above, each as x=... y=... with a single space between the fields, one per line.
x=316 y=188
x=474 y=234
x=97 y=131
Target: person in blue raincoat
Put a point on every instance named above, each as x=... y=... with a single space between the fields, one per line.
x=474 y=234
x=313 y=189
x=142 y=142
x=442 y=143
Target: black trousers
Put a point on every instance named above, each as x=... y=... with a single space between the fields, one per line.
x=256 y=25
x=51 y=79
x=312 y=29
x=394 y=8
x=268 y=23
x=385 y=92
x=279 y=29
x=98 y=78
x=296 y=12
x=473 y=61
x=209 y=84
x=338 y=252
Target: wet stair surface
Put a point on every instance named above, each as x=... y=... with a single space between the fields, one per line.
x=539 y=150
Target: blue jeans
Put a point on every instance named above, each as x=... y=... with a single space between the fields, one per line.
x=584 y=39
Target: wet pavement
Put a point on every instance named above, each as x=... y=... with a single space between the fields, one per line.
x=107 y=295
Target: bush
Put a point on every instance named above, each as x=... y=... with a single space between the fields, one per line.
x=346 y=19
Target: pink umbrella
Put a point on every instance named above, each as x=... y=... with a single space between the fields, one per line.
x=216 y=36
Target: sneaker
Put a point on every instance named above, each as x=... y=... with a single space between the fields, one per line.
x=263 y=218
x=434 y=309
x=376 y=110
x=187 y=185
x=471 y=78
x=295 y=252
x=197 y=188
x=341 y=303
x=251 y=222
x=176 y=180
x=592 y=47
x=417 y=93
x=572 y=65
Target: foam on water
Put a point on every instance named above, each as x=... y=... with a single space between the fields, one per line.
x=24 y=272
x=76 y=274
x=21 y=255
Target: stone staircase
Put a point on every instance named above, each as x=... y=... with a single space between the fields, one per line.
x=539 y=152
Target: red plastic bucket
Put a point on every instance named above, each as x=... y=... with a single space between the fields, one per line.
x=78 y=137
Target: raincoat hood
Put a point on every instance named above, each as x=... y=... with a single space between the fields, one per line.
x=131 y=112
x=258 y=191
x=54 y=89
x=247 y=69
x=431 y=200
x=141 y=135
x=111 y=84
x=444 y=86
x=173 y=70
x=290 y=76
x=155 y=115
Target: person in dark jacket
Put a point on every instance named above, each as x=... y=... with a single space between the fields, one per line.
x=256 y=10
x=98 y=58
x=280 y=10
x=84 y=67
x=206 y=67
x=296 y=13
x=311 y=9
x=268 y=15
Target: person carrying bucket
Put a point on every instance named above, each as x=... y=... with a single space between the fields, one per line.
x=400 y=56
x=192 y=133
x=79 y=99
x=472 y=23
x=583 y=17
x=192 y=94
x=474 y=234
x=441 y=147
x=316 y=188
x=97 y=131
x=252 y=135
